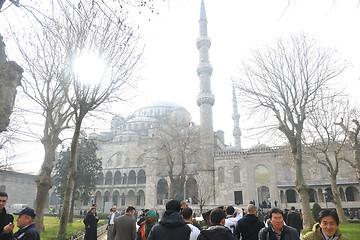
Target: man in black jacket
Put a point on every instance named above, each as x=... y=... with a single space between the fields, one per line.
x=26 y=223
x=5 y=218
x=249 y=226
x=294 y=220
x=217 y=230
x=172 y=225
x=277 y=229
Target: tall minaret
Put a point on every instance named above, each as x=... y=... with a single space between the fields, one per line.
x=205 y=99
x=236 y=117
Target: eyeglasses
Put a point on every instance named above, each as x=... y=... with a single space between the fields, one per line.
x=3 y=200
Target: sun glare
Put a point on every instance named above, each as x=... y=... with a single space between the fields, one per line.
x=89 y=68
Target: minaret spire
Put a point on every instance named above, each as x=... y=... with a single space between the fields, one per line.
x=236 y=118
x=205 y=98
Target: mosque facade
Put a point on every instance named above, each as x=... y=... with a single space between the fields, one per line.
x=133 y=175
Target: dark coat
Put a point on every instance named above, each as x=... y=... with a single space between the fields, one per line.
x=147 y=228
x=288 y=233
x=90 y=232
x=217 y=232
x=248 y=227
x=5 y=219
x=171 y=227
x=294 y=220
x=27 y=233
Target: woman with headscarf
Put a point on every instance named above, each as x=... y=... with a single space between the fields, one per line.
x=145 y=226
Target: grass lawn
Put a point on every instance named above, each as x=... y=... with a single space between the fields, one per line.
x=52 y=226
x=350 y=230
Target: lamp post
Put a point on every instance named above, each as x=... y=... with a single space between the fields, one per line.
x=325 y=196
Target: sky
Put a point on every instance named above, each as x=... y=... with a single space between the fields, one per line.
x=235 y=27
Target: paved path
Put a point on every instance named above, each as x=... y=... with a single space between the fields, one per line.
x=103 y=236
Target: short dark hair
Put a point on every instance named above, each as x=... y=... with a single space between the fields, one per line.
x=187 y=213
x=230 y=210
x=328 y=212
x=275 y=210
x=92 y=209
x=292 y=208
x=3 y=194
x=173 y=205
x=95 y=204
x=216 y=216
x=129 y=208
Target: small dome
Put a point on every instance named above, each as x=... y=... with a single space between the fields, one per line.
x=259 y=146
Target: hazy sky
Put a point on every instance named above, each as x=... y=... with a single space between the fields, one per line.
x=235 y=27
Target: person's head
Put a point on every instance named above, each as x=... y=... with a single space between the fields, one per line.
x=230 y=210
x=150 y=217
x=130 y=210
x=328 y=222
x=93 y=210
x=173 y=205
x=113 y=209
x=187 y=213
x=217 y=217
x=3 y=200
x=26 y=217
x=251 y=209
x=94 y=205
x=276 y=218
x=183 y=204
x=292 y=208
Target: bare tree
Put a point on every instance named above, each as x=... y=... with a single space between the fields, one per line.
x=352 y=130
x=205 y=191
x=326 y=141
x=101 y=31
x=284 y=81
x=174 y=142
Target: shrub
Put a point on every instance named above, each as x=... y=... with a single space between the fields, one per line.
x=315 y=211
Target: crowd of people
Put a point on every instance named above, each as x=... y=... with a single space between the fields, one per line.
x=223 y=223
x=178 y=223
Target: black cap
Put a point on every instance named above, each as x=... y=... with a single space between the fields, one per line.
x=27 y=211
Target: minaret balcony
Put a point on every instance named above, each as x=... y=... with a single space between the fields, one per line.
x=204 y=68
x=205 y=98
x=203 y=41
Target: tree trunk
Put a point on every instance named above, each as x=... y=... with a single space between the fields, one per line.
x=336 y=199
x=71 y=216
x=71 y=178
x=10 y=76
x=302 y=188
x=43 y=181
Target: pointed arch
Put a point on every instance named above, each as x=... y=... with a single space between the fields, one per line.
x=140 y=199
x=115 y=197
x=100 y=178
x=117 y=178
x=108 y=178
x=191 y=187
x=130 y=198
x=141 y=177
x=162 y=191
x=132 y=177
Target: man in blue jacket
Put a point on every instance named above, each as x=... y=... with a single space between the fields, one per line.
x=26 y=223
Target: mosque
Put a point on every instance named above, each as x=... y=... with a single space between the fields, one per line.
x=132 y=175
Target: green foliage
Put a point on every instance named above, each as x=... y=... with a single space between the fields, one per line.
x=88 y=166
x=315 y=211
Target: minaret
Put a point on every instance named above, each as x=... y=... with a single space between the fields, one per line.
x=236 y=117
x=205 y=99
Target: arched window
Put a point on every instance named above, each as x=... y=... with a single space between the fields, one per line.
x=140 y=199
x=106 y=196
x=162 y=191
x=352 y=194
x=123 y=199
x=97 y=198
x=141 y=177
x=312 y=195
x=117 y=178
x=191 y=190
x=130 y=198
x=132 y=177
x=290 y=196
x=100 y=179
x=221 y=175
x=115 y=198
x=108 y=178
x=236 y=174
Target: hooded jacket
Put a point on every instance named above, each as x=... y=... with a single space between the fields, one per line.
x=216 y=232
x=248 y=227
x=316 y=234
x=171 y=227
